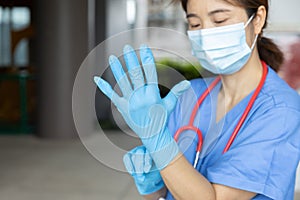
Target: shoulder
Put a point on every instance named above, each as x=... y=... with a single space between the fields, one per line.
x=276 y=97
x=275 y=115
x=276 y=109
x=279 y=93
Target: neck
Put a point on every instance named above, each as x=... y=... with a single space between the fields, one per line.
x=238 y=85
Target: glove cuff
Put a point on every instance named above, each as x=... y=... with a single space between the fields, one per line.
x=150 y=188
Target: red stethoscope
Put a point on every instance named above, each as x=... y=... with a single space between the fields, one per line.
x=195 y=129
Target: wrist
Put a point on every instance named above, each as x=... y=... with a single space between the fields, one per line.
x=163 y=157
x=162 y=148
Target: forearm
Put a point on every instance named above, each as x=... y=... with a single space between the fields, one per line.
x=184 y=182
x=155 y=196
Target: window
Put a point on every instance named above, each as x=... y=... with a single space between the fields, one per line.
x=13 y=19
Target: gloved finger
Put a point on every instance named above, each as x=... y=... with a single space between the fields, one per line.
x=128 y=163
x=170 y=100
x=108 y=91
x=138 y=160
x=120 y=75
x=147 y=162
x=148 y=63
x=140 y=177
x=143 y=154
x=133 y=66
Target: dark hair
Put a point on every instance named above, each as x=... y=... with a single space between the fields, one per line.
x=267 y=49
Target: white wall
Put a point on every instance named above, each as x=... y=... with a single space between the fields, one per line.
x=284 y=15
x=298 y=180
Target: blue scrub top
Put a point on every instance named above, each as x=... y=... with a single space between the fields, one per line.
x=264 y=156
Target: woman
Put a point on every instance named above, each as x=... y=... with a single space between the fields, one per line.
x=246 y=154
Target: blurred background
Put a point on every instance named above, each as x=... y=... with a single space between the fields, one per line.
x=42 y=46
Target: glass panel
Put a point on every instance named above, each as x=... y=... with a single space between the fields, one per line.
x=164 y=14
x=131 y=11
x=21 y=20
x=15 y=19
x=4 y=37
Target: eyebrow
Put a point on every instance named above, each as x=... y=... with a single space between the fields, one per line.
x=192 y=15
x=218 y=11
x=209 y=14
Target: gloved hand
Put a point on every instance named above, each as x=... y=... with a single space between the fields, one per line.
x=141 y=106
x=139 y=165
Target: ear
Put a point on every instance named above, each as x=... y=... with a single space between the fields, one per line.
x=260 y=19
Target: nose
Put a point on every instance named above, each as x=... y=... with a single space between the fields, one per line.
x=207 y=24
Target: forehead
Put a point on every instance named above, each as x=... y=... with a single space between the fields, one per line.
x=205 y=6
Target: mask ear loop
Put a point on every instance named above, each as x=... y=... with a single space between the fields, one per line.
x=254 y=42
x=248 y=22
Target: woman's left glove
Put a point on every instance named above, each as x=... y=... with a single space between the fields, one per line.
x=141 y=106
x=139 y=165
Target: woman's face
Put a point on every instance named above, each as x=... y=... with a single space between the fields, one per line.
x=203 y=14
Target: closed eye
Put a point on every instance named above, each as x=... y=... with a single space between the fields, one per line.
x=220 y=21
x=195 y=26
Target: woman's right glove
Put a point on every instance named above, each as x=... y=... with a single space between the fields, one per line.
x=140 y=166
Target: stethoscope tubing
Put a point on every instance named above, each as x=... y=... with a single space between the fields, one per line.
x=248 y=108
x=191 y=127
x=240 y=123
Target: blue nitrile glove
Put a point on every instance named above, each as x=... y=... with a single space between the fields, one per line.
x=141 y=106
x=139 y=165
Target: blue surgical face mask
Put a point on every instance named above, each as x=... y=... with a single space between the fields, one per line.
x=222 y=50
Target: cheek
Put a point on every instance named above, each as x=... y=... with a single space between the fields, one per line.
x=250 y=35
